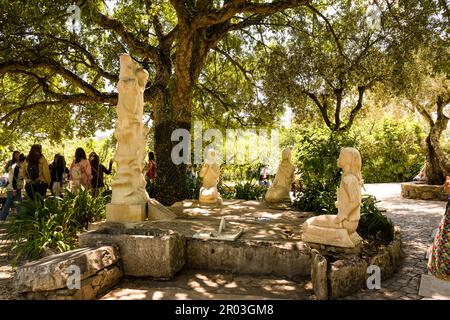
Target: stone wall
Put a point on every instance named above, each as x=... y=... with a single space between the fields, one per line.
x=334 y=277
x=420 y=191
x=250 y=257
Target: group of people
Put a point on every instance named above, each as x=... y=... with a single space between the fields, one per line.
x=33 y=173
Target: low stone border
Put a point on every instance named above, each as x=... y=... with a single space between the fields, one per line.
x=250 y=257
x=334 y=277
x=421 y=191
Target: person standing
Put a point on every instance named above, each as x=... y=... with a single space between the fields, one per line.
x=151 y=167
x=14 y=188
x=80 y=171
x=57 y=170
x=439 y=261
x=35 y=172
x=10 y=163
x=98 y=170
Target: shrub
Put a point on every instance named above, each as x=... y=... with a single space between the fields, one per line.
x=373 y=224
x=392 y=152
x=315 y=155
x=52 y=223
x=245 y=190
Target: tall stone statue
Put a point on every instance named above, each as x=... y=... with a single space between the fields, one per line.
x=210 y=172
x=279 y=190
x=129 y=197
x=340 y=230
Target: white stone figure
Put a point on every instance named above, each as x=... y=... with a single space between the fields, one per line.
x=210 y=172
x=129 y=183
x=340 y=230
x=279 y=190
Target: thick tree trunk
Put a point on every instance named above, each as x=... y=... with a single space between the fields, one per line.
x=170 y=178
x=433 y=170
x=438 y=165
x=171 y=112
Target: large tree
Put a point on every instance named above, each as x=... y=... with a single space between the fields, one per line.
x=335 y=53
x=48 y=70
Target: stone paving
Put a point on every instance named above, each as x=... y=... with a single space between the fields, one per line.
x=417 y=219
x=6 y=270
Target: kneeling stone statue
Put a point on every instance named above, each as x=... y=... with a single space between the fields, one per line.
x=279 y=190
x=340 y=230
x=210 y=172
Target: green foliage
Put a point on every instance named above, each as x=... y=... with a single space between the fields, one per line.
x=245 y=190
x=52 y=223
x=318 y=198
x=315 y=154
x=373 y=224
x=392 y=152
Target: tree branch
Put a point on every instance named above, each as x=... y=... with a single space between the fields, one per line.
x=134 y=44
x=322 y=109
x=356 y=109
x=231 y=8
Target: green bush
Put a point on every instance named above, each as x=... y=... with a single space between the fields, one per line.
x=373 y=224
x=392 y=152
x=245 y=190
x=315 y=155
x=52 y=223
x=318 y=198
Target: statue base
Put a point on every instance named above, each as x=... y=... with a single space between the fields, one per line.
x=285 y=205
x=331 y=237
x=210 y=203
x=157 y=211
x=126 y=212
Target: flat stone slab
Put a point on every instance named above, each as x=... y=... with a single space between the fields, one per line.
x=53 y=272
x=432 y=287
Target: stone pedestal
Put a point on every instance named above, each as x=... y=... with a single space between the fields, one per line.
x=126 y=212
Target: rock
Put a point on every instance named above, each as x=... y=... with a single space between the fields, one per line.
x=52 y=273
x=383 y=260
x=395 y=252
x=346 y=277
x=144 y=252
x=319 y=275
x=413 y=190
x=90 y=288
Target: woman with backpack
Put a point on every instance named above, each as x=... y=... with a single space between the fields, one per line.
x=98 y=170
x=14 y=187
x=35 y=172
x=80 y=171
x=57 y=171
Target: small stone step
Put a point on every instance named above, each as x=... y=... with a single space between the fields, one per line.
x=432 y=287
